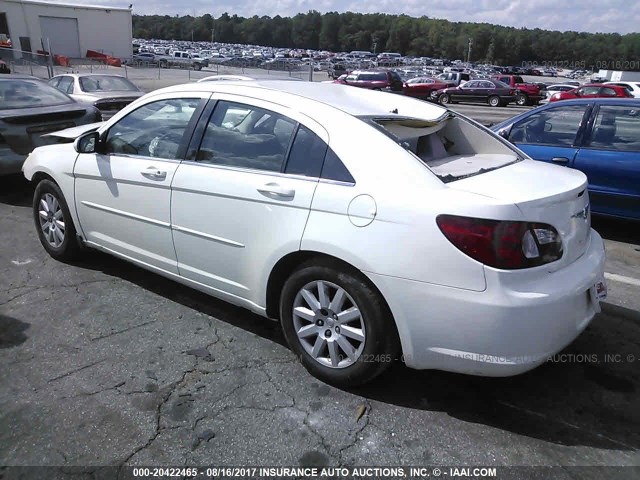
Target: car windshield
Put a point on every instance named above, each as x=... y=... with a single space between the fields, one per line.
x=27 y=93
x=106 y=83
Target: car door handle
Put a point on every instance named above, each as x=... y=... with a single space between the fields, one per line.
x=153 y=173
x=275 y=190
x=560 y=160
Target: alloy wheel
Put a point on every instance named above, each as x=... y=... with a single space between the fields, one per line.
x=329 y=324
x=51 y=220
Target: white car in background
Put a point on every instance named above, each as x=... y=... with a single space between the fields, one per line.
x=372 y=225
x=633 y=87
x=108 y=93
x=555 y=88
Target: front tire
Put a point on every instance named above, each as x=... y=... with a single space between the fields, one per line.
x=495 y=101
x=338 y=324
x=53 y=222
x=444 y=99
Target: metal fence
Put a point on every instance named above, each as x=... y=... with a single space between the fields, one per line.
x=150 y=76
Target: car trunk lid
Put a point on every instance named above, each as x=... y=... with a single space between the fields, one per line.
x=543 y=193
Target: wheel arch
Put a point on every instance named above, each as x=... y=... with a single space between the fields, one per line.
x=290 y=263
x=40 y=175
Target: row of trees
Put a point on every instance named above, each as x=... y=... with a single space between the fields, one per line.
x=343 y=32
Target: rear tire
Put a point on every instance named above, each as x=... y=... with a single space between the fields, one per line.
x=522 y=100
x=53 y=221
x=337 y=324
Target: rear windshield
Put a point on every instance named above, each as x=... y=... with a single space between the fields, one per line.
x=452 y=147
x=28 y=93
x=108 y=83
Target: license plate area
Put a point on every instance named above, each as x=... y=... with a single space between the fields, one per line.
x=597 y=293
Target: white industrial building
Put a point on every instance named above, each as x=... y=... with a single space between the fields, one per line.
x=69 y=29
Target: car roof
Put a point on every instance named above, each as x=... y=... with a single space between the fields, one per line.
x=351 y=100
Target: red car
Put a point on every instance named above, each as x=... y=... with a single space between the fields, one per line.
x=593 y=90
x=372 y=79
x=423 y=87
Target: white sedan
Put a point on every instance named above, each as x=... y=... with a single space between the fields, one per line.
x=373 y=226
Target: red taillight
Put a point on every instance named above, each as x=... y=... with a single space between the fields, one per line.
x=502 y=244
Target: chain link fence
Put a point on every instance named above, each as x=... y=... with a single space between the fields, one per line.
x=150 y=75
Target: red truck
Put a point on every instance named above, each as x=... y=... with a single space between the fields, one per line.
x=527 y=93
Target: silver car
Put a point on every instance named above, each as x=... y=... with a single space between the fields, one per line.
x=108 y=93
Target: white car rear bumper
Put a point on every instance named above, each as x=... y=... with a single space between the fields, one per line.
x=516 y=324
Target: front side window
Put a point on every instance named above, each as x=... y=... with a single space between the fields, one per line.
x=555 y=126
x=245 y=136
x=616 y=128
x=156 y=129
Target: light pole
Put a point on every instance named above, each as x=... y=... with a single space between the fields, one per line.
x=469 y=51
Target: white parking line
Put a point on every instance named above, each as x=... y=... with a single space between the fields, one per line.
x=622 y=279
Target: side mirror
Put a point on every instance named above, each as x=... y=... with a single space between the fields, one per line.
x=547 y=126
x=504 y=132
x=87 y=143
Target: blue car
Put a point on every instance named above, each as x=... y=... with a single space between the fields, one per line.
x=598 y=136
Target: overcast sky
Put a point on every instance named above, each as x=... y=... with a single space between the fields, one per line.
x=621 y=16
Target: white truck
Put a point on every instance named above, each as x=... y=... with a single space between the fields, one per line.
x=183 y=60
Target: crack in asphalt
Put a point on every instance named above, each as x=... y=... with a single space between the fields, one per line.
x=72 y=372
x=566 y=424
x=158 y=415
x=356 y=434
x=20 y=295
x=90 y=394
x=35 y=288
x=124 y=330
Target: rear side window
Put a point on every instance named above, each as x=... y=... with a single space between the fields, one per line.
x=616 y=128
x=306 y=154
x=609 y=92
x=246 y=136
x=334 y=169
